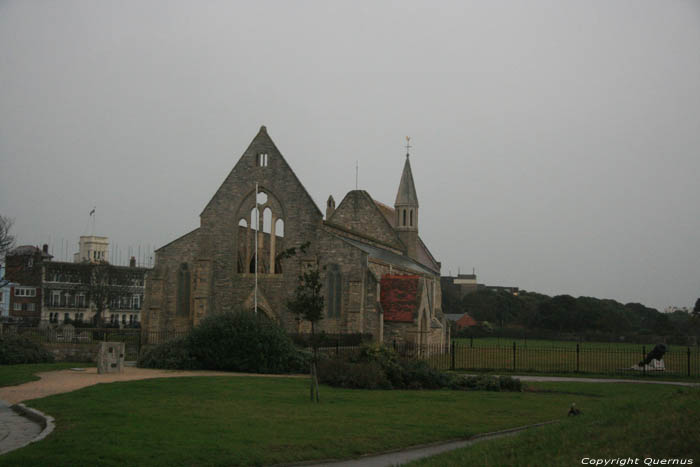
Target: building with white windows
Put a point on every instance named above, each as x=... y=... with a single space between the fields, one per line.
x=92 y=249
x=5 y=290
x=46 y=292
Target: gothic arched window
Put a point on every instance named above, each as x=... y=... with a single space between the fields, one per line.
x=335 y=291
x=183 y=290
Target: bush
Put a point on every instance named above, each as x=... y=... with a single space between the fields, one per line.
x=15 y=349
x=243 y=342
x=344 y=374
x=172 y=355
x=236 y=341
x=379 y=367
x=323 y=339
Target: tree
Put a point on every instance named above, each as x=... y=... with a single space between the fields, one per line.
x=307 y=305
x=696 y=309
x=105 y=285
x=7 y=241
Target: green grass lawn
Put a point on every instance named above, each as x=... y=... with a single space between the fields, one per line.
x=508 y=342
x=239 y=420
x=11 y=375
x=632 y=421
x=563 y=357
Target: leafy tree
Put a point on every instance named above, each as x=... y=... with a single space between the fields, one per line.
x=696 y=309
x=307 y=305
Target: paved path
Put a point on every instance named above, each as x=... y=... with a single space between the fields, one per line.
x=58 y=382
x=566 y=379
x=407 y=455
x=15 y=430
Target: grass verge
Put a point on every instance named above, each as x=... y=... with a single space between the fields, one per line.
x=12 y=375
x=630 y=422
x=260 y=421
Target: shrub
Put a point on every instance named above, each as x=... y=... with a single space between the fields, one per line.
x=243 y=341
x=234 y=341
x=508 y=383
x=417 y=374
x=344 y=374
x=16 y=349
x=172 y=355
x=379 y=367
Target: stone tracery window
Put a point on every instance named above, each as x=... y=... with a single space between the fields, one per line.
x=266 y=227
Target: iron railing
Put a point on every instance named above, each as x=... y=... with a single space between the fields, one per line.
x=574 y=358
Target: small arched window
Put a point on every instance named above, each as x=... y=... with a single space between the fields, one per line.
x=279 y=228
x=411 y=216
x=267 y=220
x=254 y=219
x=404 y=217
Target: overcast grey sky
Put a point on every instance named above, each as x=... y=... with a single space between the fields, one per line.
x=556 y=144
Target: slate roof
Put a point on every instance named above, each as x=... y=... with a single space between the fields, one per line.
x=388 y=212
x=399 y=298
x=453 y=316
x=466 y=321
x=27 y=250
x=426 y=258
x=389 y=257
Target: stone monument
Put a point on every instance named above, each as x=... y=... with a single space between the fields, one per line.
x=110 y=358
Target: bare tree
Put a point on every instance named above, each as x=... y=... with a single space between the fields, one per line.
x=7 y=241
x=105 y=285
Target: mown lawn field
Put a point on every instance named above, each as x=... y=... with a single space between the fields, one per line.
x=260 y=421
x=632 y=421
x=556 y=357
x=508 y=342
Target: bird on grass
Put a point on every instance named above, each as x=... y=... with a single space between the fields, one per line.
x=573 y=410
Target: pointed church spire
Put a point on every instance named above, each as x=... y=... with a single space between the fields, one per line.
x=406 y=196
x=406 y=208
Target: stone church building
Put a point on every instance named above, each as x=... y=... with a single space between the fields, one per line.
x=378 y=275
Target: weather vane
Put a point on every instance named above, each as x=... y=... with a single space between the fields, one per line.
x=408 y=145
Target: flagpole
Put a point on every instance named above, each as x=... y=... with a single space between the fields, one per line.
x=257 y=226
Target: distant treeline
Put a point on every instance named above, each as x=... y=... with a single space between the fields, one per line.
x=568 y=315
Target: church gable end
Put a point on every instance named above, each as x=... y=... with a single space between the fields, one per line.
x=358 y=213
x=261 y=162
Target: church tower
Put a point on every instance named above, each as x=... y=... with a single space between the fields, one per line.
x=406 y=207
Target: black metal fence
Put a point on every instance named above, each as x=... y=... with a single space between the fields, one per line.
x=579 y=358
x=574 y=358
x=594 y=359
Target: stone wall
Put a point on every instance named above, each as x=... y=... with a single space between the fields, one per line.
x=160 y=311
x=67 y=352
